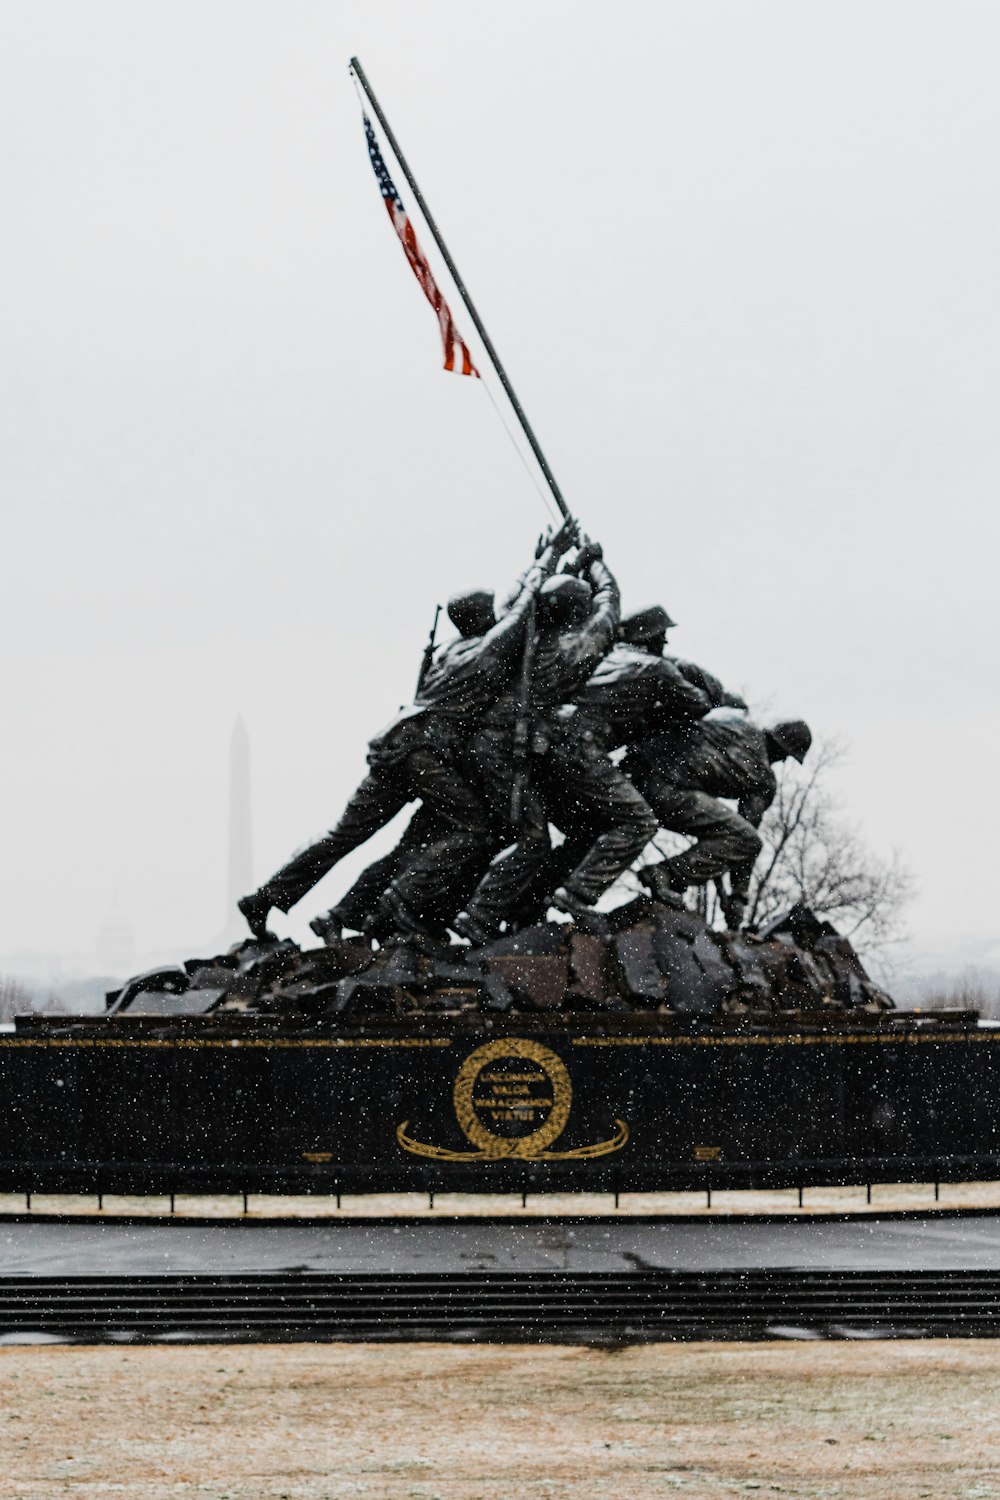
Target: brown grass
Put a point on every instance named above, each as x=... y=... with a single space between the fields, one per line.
x=501 y=1422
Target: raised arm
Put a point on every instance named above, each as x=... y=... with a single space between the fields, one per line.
x=606 y=609
x=753 y=805
x=717 y=695
x=547 y=554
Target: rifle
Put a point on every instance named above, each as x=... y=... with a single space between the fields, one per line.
x=522 y=724
x=429 y=649
x=521 y=746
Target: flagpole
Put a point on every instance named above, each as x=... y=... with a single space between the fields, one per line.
x=359 y=73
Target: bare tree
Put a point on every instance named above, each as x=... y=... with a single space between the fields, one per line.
x=15 y=998
x=813 y=854
x=970 y=989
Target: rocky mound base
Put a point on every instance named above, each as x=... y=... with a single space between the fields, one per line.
x=642 y=957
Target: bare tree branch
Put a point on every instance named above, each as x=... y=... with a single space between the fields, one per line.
x=15 y=998
x=813 y=855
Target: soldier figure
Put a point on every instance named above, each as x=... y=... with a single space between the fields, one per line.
x=511 y=729
x=572 y=780
x=633 y=694
x=417 y=757
x=646 y=629
x=630 y=696
x=683 y=776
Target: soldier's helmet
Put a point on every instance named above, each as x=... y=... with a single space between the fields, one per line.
x=472 y=613
x=793 y=737
x=646 y=627
x=563 y=600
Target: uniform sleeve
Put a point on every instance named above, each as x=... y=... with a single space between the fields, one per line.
x=753 y=805
x=503 y=639
x=674 y=698
x=598 y=634
x=530 y=580
x=468 y=674
x=479 y=668
x=581 y=649
x=528 y=583
x=706 y=683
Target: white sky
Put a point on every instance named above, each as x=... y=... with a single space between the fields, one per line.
x=741 y=261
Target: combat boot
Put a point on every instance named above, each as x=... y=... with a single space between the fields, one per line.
x=563 y=899
x=658 y=882
x=734 y=910
x=256 y=908
x=328 y=928
x=469 y=926
x=392 y=917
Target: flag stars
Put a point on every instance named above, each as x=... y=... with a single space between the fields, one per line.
x=456 y=351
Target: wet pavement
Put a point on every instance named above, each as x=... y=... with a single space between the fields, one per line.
x=115 y=1249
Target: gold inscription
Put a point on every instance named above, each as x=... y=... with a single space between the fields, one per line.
x=494 y=1103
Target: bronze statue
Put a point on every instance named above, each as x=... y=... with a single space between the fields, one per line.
x=630 y=696
x=633 y=694
x=417 y=757
x=683 y=776
x=646 y=630
x=572 y=780
x=511 y=731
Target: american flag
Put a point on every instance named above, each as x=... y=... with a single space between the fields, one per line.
x=456 y=351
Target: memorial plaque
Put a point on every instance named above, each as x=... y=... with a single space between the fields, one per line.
x=512 y=1099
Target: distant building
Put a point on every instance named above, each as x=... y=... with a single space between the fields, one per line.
x=240 y=832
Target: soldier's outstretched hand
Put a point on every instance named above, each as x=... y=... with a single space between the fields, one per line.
x=561 y=541
x=590 y=551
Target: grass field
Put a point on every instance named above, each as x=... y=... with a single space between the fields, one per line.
x=502 y=1422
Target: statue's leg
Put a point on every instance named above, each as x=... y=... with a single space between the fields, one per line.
x=489 y=766
x=547 y=877
x=523 y=854
x=724 y=840
x=375 y=803
x=584 y=787
x=735 y=904
x=511 y=876
x=359 y=901
x=452 y=842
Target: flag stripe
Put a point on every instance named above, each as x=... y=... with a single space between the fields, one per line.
x=456 y=352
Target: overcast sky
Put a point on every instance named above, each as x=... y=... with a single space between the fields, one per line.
x=741 y=262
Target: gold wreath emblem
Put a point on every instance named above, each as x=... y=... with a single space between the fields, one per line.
x=533 y=1146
